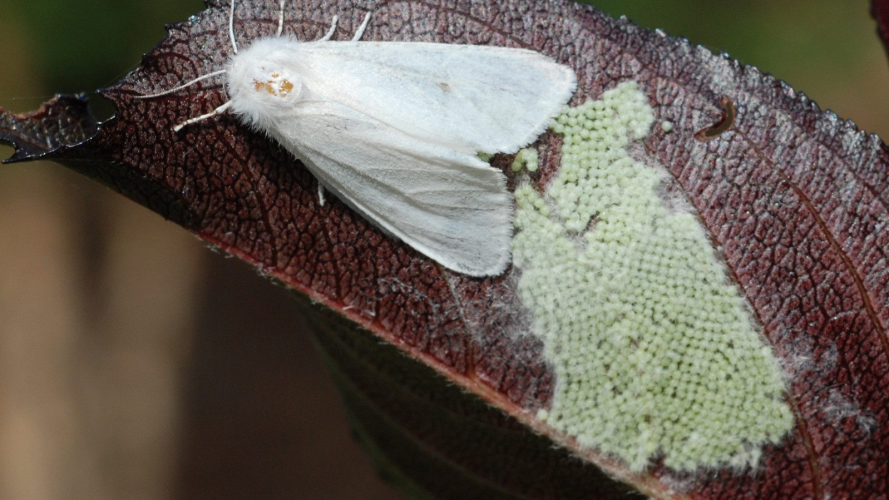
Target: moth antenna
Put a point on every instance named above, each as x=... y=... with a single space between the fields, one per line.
x=231 y=27
x=360 y=32
x=184 y=85
x=216 y=112
x=331 y=30
x=281 y=18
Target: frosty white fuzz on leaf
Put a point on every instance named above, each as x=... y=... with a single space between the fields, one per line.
x=394 y=129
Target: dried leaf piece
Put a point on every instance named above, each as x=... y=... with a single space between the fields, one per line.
x=723 y=125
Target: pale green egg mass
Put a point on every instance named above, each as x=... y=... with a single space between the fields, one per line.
x=654 y=348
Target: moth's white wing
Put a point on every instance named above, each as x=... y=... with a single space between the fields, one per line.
x=448 y=205
x=469 y=98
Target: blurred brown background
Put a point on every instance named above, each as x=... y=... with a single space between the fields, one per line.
x=135 y=363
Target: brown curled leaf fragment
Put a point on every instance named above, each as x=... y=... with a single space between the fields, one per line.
x=723 y=125
x=797 y=210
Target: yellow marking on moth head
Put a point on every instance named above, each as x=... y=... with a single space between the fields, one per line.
x=276 y=86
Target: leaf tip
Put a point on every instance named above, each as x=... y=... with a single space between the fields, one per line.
x=63 y=121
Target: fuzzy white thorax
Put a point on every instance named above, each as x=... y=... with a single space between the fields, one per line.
x=261 y=83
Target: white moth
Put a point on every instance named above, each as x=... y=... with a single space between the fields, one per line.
x=394 y=129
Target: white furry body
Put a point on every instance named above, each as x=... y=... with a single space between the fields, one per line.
x=393 y=129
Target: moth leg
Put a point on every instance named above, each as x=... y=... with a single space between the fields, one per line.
x=360 y=32
x=331 y=30
x=320 y=193
x=216 y=112
x=281 y=18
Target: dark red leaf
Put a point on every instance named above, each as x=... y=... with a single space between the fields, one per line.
x=795 y=200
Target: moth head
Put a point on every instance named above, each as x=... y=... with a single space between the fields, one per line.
x=261 y=83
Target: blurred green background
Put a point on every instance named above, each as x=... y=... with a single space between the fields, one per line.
x=136 y=364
